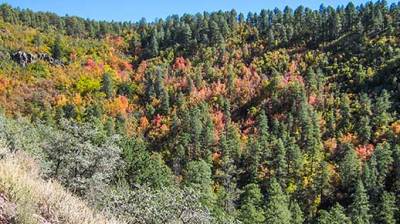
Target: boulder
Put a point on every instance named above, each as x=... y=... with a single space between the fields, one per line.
x=24 y=58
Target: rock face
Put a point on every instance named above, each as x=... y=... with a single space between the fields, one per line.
x=24 y=58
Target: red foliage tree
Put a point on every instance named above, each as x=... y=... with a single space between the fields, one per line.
x=365 y=151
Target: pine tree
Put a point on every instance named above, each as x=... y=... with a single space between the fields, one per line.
x=337 y=25
x=336 y=215
x=350 y=168
x=387 y=209
x=360 y=212
x=370 y=176
x=37 y=41
x=233 y=143
x=153 y=48
x=297 y=214
x=323 y=181
x=195 y=127
x=345 y=113
x=277 y=207
x=251 y=205
x=107 y=85
x=280 y=163
x=56 y=50
x=365 y=105
x=144 y=168
x=314 y=145
x=186 y=34
x=271 y=38
x=295 y=161
x=377 y=20
x=70 y=111
x=384 y=161
x=382 y=117
x=215 y=33
x=350 y=17
x=360 y=76
x=226 y=176
x=164 y=107
x=207 y=138
x=198 y=177
x=159 y=83
x=330 y=124
x=252 y=161
x=263 y=135
x=364 y=130
x=311 y=79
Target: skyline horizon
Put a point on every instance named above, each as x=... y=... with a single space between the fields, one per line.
x=61 y=10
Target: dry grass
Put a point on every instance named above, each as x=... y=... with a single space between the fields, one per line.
x=39 y=201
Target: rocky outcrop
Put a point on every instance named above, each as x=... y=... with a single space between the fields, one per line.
x=24 y=58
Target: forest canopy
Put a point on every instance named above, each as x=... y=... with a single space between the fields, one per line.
x=280 y=116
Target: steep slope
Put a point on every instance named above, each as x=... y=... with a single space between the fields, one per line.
x=26 y=198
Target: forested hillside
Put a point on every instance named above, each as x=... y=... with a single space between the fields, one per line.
x=278 y=117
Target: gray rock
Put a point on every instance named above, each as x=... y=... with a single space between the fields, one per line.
x=24 y=58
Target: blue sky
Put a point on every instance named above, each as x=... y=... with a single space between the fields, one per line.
x=133 y=10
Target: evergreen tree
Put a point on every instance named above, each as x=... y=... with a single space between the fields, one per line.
x=295 y=160
x=387 y=209
x=271 y=38
x=159 y=83
x=330 y=124
x=57 y=50
x=153 y=48
x=252 y=161
x=215 y=33
x=360 y=212
x=226 y=176
x=345 y=114
x=37 y=41
x=263 y=135
x=277 y=207
x=207 y=138
x=233 y=143
x=142 y=167
x=164 y=107
x=382 y=117
x=194 y=129
x=107 y=85
x=350 y=168
x=280 y=163
x=365 y=106
x=336 y=215
x=251 y=211
x=198 y=177
x=70 y=111
x=350 y=17
x=364 y=130
x=297 y=214
x=384 y=161
x=377 y=20
x=370 y=176
x=311 y=79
